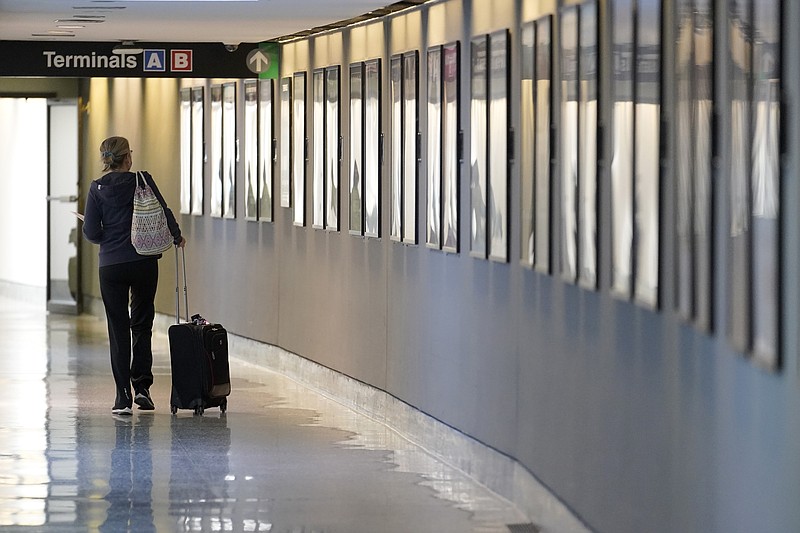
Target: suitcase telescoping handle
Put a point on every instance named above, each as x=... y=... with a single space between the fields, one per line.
x=177 y=286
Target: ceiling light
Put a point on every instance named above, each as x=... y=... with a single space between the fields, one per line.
x=81 y=20
x=54 y=33
x=70 y=26
x=127 y=47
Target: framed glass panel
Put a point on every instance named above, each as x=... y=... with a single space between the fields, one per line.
x=373 y=148
x=451 y=165
x=266 y=153
x=396 y=86
x=684 y=143
x=693 y=136
x=333 y=151
x=622 y=148
x=479 y=131
x=299 y=143
x=498 y=146
x=754 y=85
x=739 y=200
x=703 y=205
x=527 y=154
x=411 y=147
x=251 y=149
x=186 y=149
x=587 y=149
x=648 y=156
x=198 y=149
x=216 y=151
x=569 y=143
x=544 y=128
x=435 y=116
x=230 y=150
x=765 y=181
x=356 y=147
x=286 y=142
x=318 y=143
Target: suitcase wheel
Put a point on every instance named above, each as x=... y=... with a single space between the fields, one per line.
x=223 y=406
x=198 y=411
x=174 y=409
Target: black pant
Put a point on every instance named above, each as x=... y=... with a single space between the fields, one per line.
x=137 y=280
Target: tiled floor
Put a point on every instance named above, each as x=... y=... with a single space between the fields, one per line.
x=282 y=459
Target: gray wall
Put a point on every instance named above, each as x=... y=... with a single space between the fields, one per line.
x=638 y=421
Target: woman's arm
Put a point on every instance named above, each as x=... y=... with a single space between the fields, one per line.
x=92 y=218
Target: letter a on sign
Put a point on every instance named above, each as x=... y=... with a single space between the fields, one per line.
x=181 y=60
x=155 y=61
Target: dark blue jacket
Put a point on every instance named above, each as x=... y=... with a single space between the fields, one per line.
x=108 y=215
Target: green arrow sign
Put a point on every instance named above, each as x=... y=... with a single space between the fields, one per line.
x=265 y=60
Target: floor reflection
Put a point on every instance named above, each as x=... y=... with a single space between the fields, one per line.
x=130 y=495
x=487 y=512
x=24 y=472
x=200 y=447
x=283 y=459
x=37 y=452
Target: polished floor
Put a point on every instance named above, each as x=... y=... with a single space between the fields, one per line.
x=282 y=459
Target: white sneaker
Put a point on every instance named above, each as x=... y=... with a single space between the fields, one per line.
x=122 y=411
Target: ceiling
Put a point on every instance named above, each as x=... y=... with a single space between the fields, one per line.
x=188 y=21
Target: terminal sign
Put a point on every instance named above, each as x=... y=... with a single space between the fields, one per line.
x=91 y=59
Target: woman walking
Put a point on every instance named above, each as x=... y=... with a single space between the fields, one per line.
x=125 y=276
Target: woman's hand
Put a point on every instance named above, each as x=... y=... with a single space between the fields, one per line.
x=182 y=243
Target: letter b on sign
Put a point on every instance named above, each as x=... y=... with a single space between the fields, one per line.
x=181 y=60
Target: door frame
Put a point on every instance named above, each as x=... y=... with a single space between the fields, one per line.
x=64 y=306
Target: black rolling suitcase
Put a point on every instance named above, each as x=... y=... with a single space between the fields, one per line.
x=199 y=358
